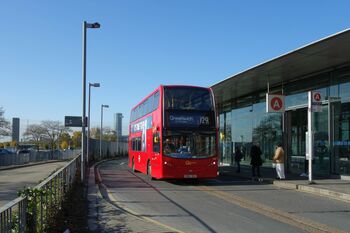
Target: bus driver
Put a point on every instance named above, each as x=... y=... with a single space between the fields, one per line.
x=169 y=146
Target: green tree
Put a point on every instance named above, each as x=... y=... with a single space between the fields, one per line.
x=1 y=145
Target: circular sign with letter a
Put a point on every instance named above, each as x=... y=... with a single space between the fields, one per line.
x=317 y=96
x=316 y=101
x=275 y=103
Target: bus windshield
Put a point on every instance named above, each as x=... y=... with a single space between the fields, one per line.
x=187 y=98
x=186 y=144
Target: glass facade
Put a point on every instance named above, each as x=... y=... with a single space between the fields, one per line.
x=297 y=127
x=244 y=121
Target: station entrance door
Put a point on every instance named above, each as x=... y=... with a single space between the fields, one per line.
x=295 y=127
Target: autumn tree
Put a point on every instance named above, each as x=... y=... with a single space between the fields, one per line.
x=14 y=144
x=64 y=145
x=95 y=132
x=65 y=137
x=109 y=134
x=76 y=139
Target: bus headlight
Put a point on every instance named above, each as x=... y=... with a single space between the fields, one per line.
x=212 y=163
x=167 y=164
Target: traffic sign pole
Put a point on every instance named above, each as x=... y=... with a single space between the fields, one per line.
x=310 y=139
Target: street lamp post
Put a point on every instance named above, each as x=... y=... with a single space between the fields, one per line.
x=102 y=106
x=88 y=125
x=83 y=137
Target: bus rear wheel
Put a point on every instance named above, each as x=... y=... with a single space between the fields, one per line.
x=149 y=170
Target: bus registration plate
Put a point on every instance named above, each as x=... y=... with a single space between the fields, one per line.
x=190 y=176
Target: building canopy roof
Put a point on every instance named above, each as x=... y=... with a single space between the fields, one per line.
x=326 y=54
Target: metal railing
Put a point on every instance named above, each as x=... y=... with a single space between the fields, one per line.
x=109 y=149
x=13 y=216
x=32 y=211
x=36 y=156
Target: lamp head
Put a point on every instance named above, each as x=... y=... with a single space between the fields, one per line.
x=96 y=25
x=93 y=25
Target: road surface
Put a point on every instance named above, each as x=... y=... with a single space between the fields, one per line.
x=225 y=204
x=13 y=180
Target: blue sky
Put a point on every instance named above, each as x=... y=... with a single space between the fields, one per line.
x=142 y=44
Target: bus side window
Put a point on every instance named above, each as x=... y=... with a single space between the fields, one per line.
x=136 y=144
x=156 y=142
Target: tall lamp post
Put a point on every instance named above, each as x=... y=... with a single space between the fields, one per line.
x=84 y=123
x=102 y=106
x=88 y=125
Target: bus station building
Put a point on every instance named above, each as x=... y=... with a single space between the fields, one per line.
x=322 y=66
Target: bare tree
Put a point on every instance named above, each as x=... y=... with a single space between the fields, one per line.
x=5 y=126
x=35 y=133
x=53 y=131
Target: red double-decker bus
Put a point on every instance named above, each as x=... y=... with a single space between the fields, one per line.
x=173 y=134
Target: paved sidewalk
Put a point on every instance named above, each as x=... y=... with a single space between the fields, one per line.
x=106 y=216
x=332 y=188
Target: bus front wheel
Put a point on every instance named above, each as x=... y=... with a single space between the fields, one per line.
x=133 y=165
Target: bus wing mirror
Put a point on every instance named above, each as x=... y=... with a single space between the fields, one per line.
x=156 y=139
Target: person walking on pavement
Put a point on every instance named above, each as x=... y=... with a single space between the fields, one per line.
x=256 y=161
x=279 y=160
x=238 y=157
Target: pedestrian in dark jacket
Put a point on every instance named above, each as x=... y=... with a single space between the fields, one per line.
x=238 y=157
x=256 y=161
